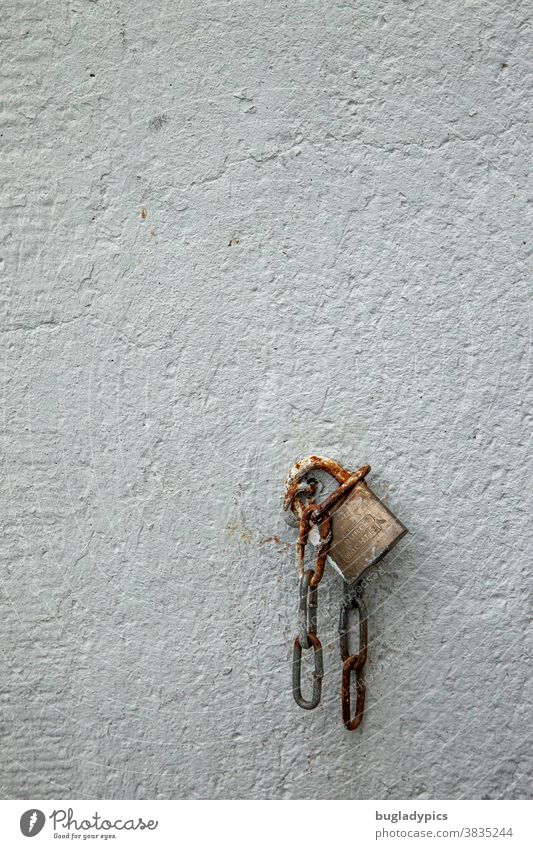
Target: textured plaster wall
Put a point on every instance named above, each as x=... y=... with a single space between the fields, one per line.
x=234 y=233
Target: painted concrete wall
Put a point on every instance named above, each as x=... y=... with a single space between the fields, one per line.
x=235 y=233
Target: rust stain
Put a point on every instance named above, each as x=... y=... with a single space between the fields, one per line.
x=144 y=213
x=286 y=546
x=237 y=530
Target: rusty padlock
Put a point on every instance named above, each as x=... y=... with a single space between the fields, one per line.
x=363 y=529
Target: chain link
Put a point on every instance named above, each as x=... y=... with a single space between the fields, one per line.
x=307 y=614
x=318 y=673
x=353 y=600
x=307 y=638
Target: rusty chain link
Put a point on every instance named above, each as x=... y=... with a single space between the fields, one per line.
x=353 y=600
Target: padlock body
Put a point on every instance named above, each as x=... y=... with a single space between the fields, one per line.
x=363 y=531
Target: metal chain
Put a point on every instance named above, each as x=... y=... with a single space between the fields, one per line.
x=353 y=600
x=320 y=515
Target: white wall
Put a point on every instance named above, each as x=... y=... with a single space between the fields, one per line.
x=333 y=258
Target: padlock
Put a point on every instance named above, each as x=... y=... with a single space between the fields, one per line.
x=363 y=531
